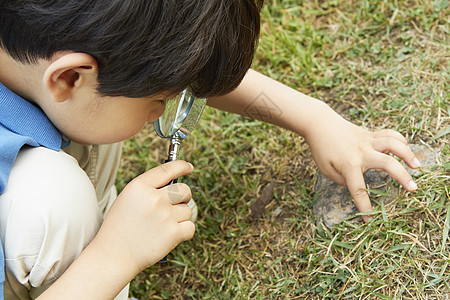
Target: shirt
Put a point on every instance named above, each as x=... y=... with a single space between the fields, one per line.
x=21 y=123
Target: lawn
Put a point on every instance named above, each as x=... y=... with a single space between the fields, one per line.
x=380 y=64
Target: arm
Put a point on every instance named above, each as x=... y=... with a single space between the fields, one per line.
x=341 y=150
x=145 y=222
x=265 y=99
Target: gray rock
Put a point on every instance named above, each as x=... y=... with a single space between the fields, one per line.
x=334 y=202
x=426 y=156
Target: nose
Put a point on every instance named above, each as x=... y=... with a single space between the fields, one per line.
x=157 y=111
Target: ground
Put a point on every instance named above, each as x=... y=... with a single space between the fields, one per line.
x=380 y=64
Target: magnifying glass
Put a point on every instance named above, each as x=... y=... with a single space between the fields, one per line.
x=179 y=119
x=177 y=122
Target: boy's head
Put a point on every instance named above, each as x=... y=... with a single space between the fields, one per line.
x=142 y=47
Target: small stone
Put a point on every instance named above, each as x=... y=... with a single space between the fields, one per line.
x=426 y=157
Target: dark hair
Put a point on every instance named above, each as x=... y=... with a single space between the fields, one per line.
x=142 y=46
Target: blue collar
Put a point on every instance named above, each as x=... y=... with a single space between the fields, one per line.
x=25 y=119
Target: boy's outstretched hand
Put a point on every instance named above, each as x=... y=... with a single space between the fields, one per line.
x=344 y=151
x=149 y=219
x=341 y=150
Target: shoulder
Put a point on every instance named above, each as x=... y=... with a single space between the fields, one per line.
x=41 y=171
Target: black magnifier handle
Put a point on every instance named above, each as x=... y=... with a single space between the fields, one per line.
x=173 y=152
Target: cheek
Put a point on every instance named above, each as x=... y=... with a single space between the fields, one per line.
x=107 y=135
x=115 y=127
x=116 y=123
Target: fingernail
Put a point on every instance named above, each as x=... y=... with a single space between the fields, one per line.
x=416 y=162
x=192 y=167
x=412 y=185
x=368 y=218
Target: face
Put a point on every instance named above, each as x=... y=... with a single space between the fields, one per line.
x=70 y=99
x=102 y=120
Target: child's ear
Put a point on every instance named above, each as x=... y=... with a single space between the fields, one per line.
x=68 y=73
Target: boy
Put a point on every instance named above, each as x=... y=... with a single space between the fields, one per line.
x=91 y=73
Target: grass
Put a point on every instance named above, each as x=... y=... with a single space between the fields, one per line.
x=381 y=64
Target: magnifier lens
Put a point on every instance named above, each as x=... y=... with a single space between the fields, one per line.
x=176 y=111
x=184 y=107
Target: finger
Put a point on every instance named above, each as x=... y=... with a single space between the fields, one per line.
x=334 y=175
x=394 y=146
x=163 y=174
x=395 y=169
x=182 y=212
x=391 y=133
x=186 y=230
x=178 y=193
x=356 y=187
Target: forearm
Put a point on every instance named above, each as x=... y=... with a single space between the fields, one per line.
x=263 y=98
x=98 y=273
